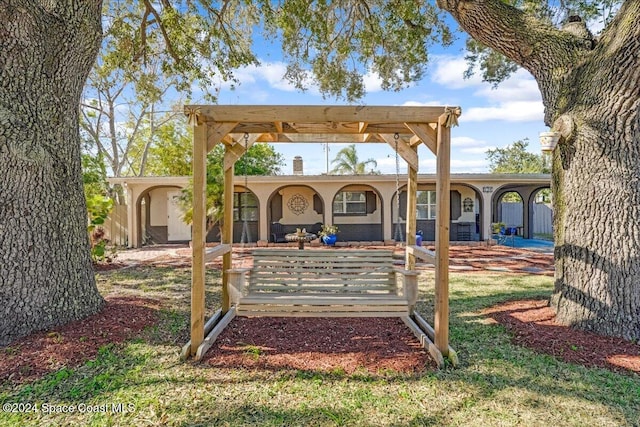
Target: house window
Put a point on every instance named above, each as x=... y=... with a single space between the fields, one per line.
x=245 y=207
x=426 y=204
x=350 y=203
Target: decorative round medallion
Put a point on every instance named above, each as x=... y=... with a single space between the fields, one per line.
x=297 y=204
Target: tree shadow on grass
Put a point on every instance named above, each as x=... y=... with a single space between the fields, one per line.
x=515 y=331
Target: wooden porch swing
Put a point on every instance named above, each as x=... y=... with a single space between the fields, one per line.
x=347 y=283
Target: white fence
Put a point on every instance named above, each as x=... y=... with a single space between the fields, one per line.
x=542 y=217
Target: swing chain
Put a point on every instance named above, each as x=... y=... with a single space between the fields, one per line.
x=246 y=237
x=398 y=233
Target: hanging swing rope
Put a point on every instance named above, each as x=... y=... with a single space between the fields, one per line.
x=398 y=233
x=246 y=235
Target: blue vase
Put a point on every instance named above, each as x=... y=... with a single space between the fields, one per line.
x=329 y=240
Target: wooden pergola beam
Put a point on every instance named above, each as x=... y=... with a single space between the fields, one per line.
x=443 y=203
x=319 y=114
x=218 y=132
x=308 y=138
x=408 y=153
x=198 y=231
x=237 y=150
x=412 y=209
x=227 y=226
x=425 y=134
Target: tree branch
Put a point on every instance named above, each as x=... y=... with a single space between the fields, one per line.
x=551 y=55
x=163 y=30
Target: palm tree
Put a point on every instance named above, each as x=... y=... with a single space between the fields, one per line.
x=347 y=163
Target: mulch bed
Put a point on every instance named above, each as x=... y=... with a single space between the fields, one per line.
x=325 y=344
x=74 y=343
x=532 y=323
x=334 y=345
x=345 y=345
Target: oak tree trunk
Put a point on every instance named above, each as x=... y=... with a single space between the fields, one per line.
x=596 y=183
x=591 y=95
x=46 y=277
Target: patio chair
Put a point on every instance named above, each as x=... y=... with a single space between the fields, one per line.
x=505 y=234
x=278 y=233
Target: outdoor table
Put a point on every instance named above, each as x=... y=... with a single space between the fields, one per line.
x=301 y=238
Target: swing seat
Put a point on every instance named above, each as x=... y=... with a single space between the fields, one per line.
x=323 y=283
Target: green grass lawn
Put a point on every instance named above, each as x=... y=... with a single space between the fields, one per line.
x=496 y=384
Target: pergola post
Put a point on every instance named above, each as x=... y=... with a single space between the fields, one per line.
x=411 y=215
x=443 y=202
x=227 y=227
x=198 y=233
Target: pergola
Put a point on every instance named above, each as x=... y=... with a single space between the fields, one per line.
x=238 y=127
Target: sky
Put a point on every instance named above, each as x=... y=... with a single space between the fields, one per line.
x=491 y=117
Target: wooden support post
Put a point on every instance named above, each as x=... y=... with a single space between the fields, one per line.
x=412 y=194
x=227 y=228
x=425 y=341
x=198 y=234
x=410 y=288
x=431 y=333
x=443 y=186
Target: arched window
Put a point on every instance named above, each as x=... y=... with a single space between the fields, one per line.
x=245 y=207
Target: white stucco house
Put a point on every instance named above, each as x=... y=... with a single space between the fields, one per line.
x=365 y=209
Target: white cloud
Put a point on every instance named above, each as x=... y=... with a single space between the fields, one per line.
x=421 y=104
x=449 y=72
x=372 y=82
x=517 y=99
x=466 y=141
x=263 y=77
x=519 y=87
x=521 y=111
x=477 y=150
x=457 y=165
x=387 y=165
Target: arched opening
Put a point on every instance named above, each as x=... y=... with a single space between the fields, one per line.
x=159 y=218
x=541 y=214
x=291 y=207
x=465 y=213
x=357 y=211
x=468 y=225
x=246 y=208
x=509 y=209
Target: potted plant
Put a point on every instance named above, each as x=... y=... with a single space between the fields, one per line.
x=497 y=227
x=548 y=140
x=328 y=234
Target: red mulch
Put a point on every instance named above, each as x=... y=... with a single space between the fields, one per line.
x=71 y=345
x=343 y=345
x=532 y=323
x=325 y=344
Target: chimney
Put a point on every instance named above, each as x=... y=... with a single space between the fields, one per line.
x=297 y=165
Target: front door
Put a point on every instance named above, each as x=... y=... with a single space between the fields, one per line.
x=177 y=230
